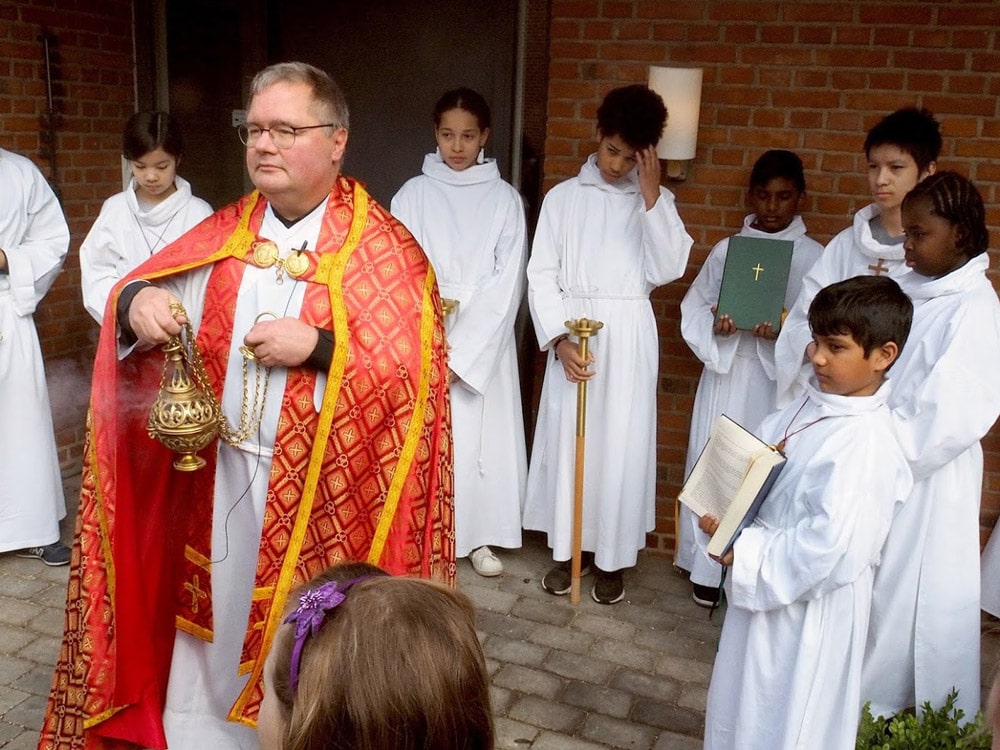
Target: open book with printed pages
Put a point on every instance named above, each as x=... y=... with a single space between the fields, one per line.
x=754 y=280
x=730 y=480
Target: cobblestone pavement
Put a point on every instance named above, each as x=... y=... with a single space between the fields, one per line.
x=632 y=675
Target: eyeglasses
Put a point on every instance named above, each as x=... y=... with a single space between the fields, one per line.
x=282 y=136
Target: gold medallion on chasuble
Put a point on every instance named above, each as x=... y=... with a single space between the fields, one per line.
x=265 y=255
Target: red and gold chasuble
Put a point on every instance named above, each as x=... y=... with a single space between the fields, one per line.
x=368 y=477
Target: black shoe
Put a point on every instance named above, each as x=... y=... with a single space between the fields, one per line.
x=704 y=596
x=559 y=580
x=609 y=588
x=54 y=554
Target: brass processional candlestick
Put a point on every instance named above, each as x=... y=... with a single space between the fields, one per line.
x=186 y=415
x=583 y=329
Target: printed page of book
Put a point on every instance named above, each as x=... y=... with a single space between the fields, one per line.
x=721 y=468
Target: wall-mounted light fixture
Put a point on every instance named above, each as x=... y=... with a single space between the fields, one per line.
x=681 y=92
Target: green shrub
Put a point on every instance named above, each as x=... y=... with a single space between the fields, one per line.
x=940 y=729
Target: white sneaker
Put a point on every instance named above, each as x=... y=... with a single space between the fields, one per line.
x=485 y=562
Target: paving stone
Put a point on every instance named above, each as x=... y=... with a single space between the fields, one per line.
x=552 y=610
x=10 y=697
x=18 y=587
x=12 y=667
x=694 y=697
x=28 y=713
x=18 y=612
x=618 y=733
x=663 y=715
x=8 y=732
x=562 y=638
x=513 y=735
x=684 y=670
x=505 y=624
x=525 y=680
x=599 y=699
x=646 y=685
x=27 y=740
x=547 y=714
x=515 y=651
x=553 y=741
x=573 y=666
x=624 y=653
x=671 y=741
x=602 y=627
x=500 y=699
x=37 y=681
x=491 y=599
x=13 y=639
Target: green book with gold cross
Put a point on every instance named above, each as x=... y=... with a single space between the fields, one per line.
x=754 y=281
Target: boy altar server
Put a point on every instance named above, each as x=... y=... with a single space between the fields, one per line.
x=901 y=150
x=738 y=377
x=788 y=670
x=605 y=240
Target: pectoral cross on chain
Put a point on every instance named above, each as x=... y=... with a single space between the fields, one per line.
x=757 y=270
x=878 y=268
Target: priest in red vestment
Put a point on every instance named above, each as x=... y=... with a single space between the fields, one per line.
x=319 y=328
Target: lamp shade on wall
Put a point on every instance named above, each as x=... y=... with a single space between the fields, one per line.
x=680 y=89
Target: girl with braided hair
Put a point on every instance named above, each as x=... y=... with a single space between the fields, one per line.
x=924 y=634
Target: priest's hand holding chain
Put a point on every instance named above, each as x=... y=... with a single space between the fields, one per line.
x=281 y=342
x=155 y=316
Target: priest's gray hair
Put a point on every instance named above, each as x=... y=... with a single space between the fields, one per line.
x=328 y=100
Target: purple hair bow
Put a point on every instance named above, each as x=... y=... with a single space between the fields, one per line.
x=310 y=615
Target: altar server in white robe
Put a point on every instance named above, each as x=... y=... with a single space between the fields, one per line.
x=901 y=150
x=925 y=629
x=34 y=239
x=471 y=224
x=155 y=209
x=788 y=670
x=605 y=239
x=738 y=377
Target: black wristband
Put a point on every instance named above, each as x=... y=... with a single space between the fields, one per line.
x=128 y=336
x=322 y=354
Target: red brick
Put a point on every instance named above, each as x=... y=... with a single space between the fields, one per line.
x=929 y=59
x=777 y=34
x=575 y=8
x=610 y=9
x=815 y=35
x=891 y=36
x=745 y=11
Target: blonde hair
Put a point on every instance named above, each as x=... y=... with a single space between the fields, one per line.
x=396 y=666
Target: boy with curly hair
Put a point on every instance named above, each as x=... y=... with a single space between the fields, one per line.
x=605 y=239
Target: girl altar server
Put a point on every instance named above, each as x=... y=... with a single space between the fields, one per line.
x=924 y=637
x=155 y=209
x=471 y=224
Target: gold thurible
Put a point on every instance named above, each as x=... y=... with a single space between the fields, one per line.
x=186 y=415
x=183 y=418
x=583 y=329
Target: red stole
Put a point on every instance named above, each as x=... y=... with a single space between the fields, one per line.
x=368 y=477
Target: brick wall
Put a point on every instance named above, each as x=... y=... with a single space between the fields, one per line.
x=92 y=86
x=807 y=76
